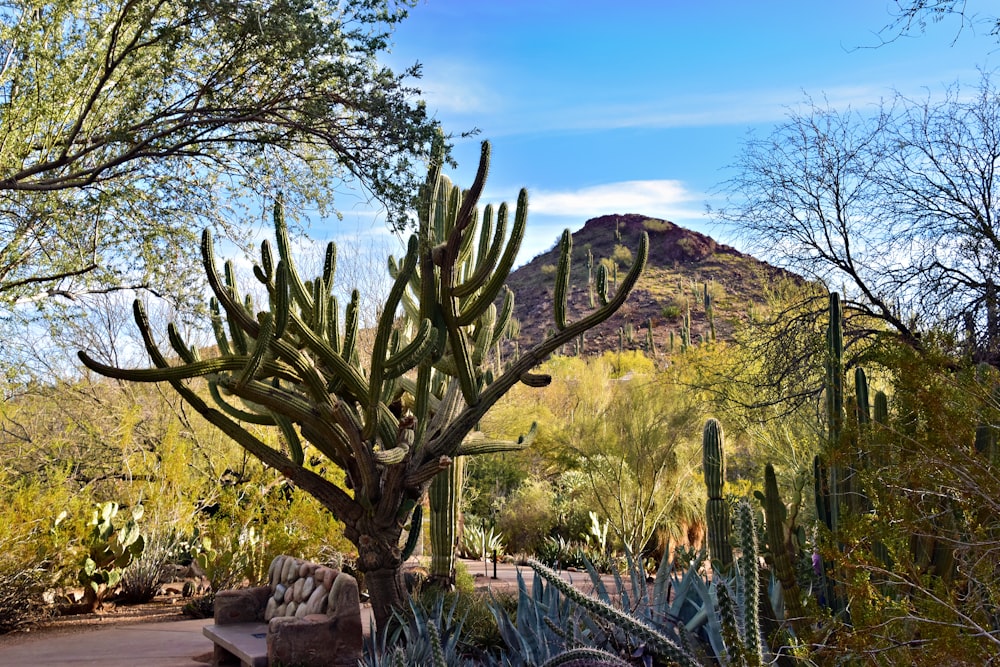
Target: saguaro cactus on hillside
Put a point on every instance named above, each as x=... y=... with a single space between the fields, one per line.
x=294 y=368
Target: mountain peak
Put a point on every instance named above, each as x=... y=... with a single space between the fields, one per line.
x=683 y=264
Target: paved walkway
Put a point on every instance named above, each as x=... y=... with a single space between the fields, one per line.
x=165 y=644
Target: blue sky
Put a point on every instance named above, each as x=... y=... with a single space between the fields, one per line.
x=639 y=107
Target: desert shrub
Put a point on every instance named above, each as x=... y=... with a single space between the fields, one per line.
x=21 y=603
x=141 y=579
x=671 y=311
x=529 y=516
x=548 y=269
x=651 y=225
x=630 y=361
x=621 y=254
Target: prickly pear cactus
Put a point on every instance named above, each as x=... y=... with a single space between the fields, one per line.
x=113 y=545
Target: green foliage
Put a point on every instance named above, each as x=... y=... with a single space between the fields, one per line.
x=651 y=225
x=128 y=126
x=621 y=255
x=21 y=586
x=112 y=546
x=528 y=517
x=477 y=542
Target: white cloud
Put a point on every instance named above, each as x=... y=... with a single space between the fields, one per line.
x=657 y=197
x=450 y=87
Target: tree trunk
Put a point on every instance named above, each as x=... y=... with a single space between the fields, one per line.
x=380 y=561
x=388 y=591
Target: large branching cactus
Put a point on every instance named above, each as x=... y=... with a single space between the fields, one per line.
x=394 y=419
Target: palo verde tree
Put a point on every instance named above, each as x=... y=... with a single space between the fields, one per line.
x=294 y=368
x=125 y=125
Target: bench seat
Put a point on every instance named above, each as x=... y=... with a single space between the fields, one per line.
x=308 y=615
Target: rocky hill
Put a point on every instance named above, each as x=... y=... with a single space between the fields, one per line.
x=682 y=265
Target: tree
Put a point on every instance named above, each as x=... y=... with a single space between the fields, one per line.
x=394 y=422
x=126 y=125
x=897 y=207
x=911 y=16
x=634 y=441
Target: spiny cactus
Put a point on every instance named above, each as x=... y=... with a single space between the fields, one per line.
x=835 y=405
x=716 y=507
x=656 y=640
x=112 y=546
x=782 y=544
x=752 y=643
x=445 y=494
x=295 y=367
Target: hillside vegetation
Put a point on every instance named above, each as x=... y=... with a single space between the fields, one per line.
x=682 y=265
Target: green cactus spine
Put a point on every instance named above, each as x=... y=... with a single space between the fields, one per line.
x=716 y=507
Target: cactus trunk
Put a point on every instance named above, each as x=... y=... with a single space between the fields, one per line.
x=716 y=507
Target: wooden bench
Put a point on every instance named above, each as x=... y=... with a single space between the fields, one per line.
x=307 y=615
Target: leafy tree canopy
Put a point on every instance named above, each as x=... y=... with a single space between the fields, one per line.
x=124 y=126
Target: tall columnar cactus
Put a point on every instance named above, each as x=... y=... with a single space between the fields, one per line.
x=716 y=507
x=749 y=568
x=445 y=495
x=590 y=277
x=835 y=406
x=295 y=368
x=782 y=540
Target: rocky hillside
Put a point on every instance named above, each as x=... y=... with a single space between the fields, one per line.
x=682 y=263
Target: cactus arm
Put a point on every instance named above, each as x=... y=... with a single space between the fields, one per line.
x=330 y=263
x=881 y=410
x=236 y=413
x=487 y=257
x=265 y=273
x=180 y=347
x=239 y=318
x=861 y=394
x=475 y=306
x=291 y=438
x=264 y=338
x=383 y=333
x=562 y=279
x=751 y=583
x=413 y=536
x=412 y=354
x=477 y=443
x=351 y=316
x=472 y=195
x=221 y=339
x=505 y=315
x=297 y=288
x=450 y=438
